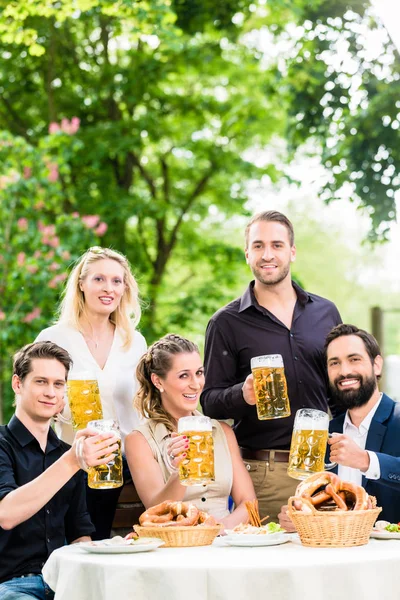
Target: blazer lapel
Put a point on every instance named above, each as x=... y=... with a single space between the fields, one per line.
x=377 y=429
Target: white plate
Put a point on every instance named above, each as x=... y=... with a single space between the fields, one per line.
x=385 y=535
x=142 y=545
x=241 y=539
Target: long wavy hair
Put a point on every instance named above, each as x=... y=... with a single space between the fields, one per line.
x=72 y=308
x=158 y=360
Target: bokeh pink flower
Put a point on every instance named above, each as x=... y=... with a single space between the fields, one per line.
x=90 y=220
x=66 y=126
x=22 y=224
x=21 y=259
x=32 y=315
x=101 y=228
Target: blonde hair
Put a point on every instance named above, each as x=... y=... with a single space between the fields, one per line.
x=158 y=360
x=72 y=307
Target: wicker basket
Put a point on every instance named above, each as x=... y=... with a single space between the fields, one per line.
x=336 y=529
x=181 y=536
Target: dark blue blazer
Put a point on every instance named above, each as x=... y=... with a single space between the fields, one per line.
x=384 y=439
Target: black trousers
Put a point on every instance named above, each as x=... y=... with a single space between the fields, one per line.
x=101 y=505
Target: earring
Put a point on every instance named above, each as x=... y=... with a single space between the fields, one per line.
x=161 y=389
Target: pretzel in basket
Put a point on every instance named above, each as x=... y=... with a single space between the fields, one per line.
x=326 y=491
x=170 y=514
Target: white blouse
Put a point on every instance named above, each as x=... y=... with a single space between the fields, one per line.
x=117 y=380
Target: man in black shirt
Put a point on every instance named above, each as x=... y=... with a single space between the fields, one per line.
x=42 y=492
x=274 y=316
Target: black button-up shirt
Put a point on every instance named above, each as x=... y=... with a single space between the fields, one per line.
x=25 y=548
x=244 y=329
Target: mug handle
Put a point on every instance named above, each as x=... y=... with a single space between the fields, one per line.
x=79 y=454
x=329 y=466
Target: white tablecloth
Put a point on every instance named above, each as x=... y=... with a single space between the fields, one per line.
x=219 y=572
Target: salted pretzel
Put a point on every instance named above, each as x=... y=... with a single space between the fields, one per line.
x=326 y=491
x=206 y=520
x=170 y=514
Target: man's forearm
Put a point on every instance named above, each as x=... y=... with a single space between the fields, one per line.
x=21 y=504
x=224 y=403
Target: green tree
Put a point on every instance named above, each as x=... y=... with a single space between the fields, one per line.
x=38 y=240
x=343 y=86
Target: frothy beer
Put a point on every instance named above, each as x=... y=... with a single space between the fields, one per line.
x=84 y=401
x=270 y=387
x=308 y=446
x=198 y=465
x=108 y=475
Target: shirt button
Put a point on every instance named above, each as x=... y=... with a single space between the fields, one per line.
x=300 y=381
x=291 y=335
x=296 y=358
x=47 y=511
x=48 y=540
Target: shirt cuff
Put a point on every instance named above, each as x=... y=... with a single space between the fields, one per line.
x=374 y=469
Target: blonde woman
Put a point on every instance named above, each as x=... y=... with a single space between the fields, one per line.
x=97 y=326
x=171 y=378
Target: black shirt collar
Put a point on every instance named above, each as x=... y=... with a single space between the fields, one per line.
x=249 y=299
x=25 y=437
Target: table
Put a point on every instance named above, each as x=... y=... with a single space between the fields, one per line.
x=220 y=572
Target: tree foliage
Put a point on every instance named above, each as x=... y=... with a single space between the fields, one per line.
x=343 y=85
x=38 y=240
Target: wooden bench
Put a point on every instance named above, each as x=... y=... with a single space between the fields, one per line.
x=129 y=508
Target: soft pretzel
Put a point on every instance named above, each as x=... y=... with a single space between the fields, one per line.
x=326 y=491
x=206 y=519
x=314 y=487
x=170 y=514
x=157 y=515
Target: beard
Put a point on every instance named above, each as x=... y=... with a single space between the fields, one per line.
x=280 y=275
x=348 y=399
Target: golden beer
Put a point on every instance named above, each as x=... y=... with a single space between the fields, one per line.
x=198 y=465
x=270 y=387
x=309 y=442
x=84 y=401
x=307 y=453
x=108 y=475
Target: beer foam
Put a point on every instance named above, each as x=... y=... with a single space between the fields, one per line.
x=194 y=423
x=310 y=423
x=268 y=360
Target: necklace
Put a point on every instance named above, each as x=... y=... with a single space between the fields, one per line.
x=96 y=341
x=90 y=339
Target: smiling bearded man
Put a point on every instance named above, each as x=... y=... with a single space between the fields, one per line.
x=366 y=438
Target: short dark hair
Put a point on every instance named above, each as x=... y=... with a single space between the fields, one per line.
x=370 y=343
x=22 y=364
x=270 y=215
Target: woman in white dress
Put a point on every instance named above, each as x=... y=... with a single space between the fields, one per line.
x=171 y=378
x=97 y=326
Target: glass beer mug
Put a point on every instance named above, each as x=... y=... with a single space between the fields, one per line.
x=108 y=475
x=198 y=465
x=308 y=447
x=84 y=400
x=270 y=387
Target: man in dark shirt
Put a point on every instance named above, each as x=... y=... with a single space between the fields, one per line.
x=274 y=316
x=42 y=492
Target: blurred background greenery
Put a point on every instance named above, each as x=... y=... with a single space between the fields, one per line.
x=157 y=127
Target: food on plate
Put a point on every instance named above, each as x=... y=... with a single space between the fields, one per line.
x=327 y=492
x=175 y=514
x=386 y=526
x=255 y=526
x=263 y=530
